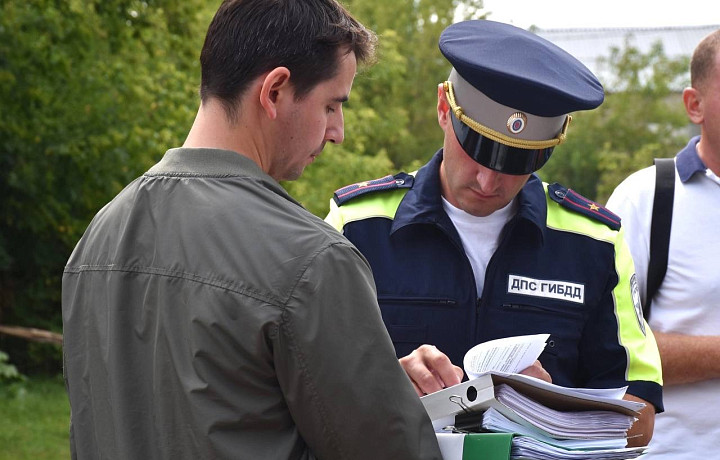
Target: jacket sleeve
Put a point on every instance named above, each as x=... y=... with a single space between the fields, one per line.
x=632 y=200
x=619 y=346
x=337 y=368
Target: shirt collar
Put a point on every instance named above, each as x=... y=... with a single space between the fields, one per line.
x=688 y=161
x=423 y=202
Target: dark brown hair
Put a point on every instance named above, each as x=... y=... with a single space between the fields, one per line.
x=247 y=38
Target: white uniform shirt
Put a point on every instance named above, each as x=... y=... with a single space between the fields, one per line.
x=688 y=301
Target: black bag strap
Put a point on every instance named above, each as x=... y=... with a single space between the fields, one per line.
x=660 y=227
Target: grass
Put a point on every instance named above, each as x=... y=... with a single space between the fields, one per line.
x=34 y=420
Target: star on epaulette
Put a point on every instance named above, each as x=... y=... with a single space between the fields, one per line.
x=573 y=200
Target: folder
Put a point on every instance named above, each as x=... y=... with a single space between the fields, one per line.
x=550 y=421
x=474 y=446
x=479 y=394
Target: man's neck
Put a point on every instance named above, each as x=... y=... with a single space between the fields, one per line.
x=212 y=129
x=709 y=154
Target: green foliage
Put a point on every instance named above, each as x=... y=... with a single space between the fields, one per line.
x=391 y=119
x=642 y=117
x=92 y=93
x=8 y=372
x=399 y=94
x=35 y=420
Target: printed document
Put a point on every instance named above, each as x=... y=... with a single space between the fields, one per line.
x=509 y=355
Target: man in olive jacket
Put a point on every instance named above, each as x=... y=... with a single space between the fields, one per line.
x=206 y=313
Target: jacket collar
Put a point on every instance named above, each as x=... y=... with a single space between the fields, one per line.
x=207 y=162
x=423 y=204
x=688 y=162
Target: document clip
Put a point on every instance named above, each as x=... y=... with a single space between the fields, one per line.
x=459 y=401
x=462 y=398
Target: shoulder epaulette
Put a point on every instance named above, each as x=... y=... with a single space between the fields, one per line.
x=400 y=180
x=578 y=203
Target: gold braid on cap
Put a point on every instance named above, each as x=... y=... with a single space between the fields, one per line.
x=499 y=137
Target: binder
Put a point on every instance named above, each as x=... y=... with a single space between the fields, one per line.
x=488 y=446
x=478 y=395
x=475 y=446
x=470 y=396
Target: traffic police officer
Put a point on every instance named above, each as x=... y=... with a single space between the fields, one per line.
x=474 y=246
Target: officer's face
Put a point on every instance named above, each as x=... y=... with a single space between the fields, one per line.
x=466 y=184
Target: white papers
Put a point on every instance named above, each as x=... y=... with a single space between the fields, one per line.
x=586 y=424
x=510 y=354
x=495 y=421
x=613 y=396
x=525 y=447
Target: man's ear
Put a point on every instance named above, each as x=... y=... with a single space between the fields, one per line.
x=443 y=107
x=693 y=105
x=275 y=87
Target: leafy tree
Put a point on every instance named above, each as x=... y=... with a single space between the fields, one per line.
x=391 y=120
x=92 y=93
x=642 y=117
x=402 y=88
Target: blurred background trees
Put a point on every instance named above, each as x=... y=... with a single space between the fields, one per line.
x=92 y=93
x=642 y=118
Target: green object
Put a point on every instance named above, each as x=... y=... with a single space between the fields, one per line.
x=487 y=446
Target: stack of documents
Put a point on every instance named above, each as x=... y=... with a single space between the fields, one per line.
x=526 y=447
x=588 y=424
x=547 y=421
x=494 y=421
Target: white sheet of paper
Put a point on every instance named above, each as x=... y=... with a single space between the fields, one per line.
x=509 y=354
x=597 y=394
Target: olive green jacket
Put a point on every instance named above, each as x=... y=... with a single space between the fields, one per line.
x=208 y=315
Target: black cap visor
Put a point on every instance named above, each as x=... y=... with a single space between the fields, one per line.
x=496 y=156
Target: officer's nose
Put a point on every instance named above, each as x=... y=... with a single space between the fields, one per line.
x=487 y=179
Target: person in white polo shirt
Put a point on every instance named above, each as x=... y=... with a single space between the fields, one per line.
x=685 y=313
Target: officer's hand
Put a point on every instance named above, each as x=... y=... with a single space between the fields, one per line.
x=430 y=370
x=537 y=371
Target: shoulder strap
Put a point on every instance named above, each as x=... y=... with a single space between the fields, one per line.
x=660 y=227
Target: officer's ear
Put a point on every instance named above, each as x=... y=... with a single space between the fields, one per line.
x=443 y=107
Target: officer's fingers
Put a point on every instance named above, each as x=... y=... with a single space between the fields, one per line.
x=459 y=372
x=422 y=378
x=446 y=372
x=421 y=374
x=440 y=365
x=537 y=371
